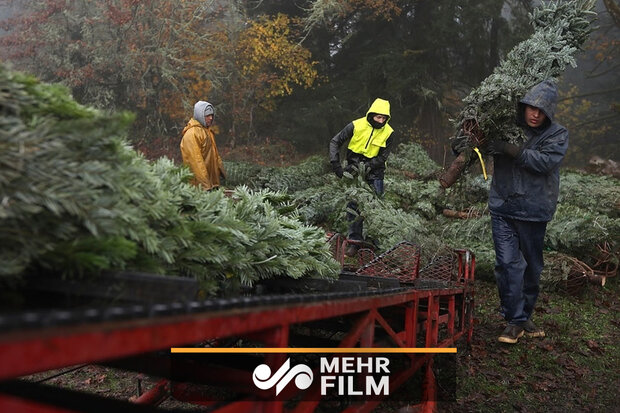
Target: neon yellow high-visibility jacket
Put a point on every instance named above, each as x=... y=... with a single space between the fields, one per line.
x=200 y=154
x=370 y=142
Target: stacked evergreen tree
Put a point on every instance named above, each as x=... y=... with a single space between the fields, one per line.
x=76 y=199
x=560 y=29
x=412 y=209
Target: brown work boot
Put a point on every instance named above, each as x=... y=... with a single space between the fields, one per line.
x=531 y=330
x=511 y=334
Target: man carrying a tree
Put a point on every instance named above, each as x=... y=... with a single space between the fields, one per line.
x=199 y=150
x=370 y=141
x=523 y=198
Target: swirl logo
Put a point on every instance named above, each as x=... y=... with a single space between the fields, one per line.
x=264 y=380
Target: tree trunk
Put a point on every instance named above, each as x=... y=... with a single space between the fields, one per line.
x=450 y=213
x=456 y=168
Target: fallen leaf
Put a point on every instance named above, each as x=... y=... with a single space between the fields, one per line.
x=594 y=346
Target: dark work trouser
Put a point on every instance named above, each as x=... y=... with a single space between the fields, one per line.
x=518 y=264
x=356 y=221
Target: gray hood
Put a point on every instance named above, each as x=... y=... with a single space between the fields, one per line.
x=201 y=109
x=543 y=96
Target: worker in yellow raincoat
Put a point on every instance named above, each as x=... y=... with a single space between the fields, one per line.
x=199 y=150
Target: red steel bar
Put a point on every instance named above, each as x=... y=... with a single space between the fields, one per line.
x=155 y=395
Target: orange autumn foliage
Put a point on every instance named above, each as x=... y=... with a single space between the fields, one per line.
x=271 y=61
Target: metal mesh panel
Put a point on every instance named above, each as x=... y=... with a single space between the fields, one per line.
x=401 y=262
x=440 y=266
x=364 y=256
x=405 y=262
x=439 y=269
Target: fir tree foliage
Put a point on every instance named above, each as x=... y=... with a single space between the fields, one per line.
x=473 y=234
x=599 y=194
x=400 y=215
x=240 y=173
x=309 y=173
x=411 y=210
x=577 y=231
x=561 y=28
x=415 y=195
x=556 y=272
x=76 y=199
x=412 y=159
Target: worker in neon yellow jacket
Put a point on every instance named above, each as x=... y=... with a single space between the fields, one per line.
x=370 y=143
x=199 y=150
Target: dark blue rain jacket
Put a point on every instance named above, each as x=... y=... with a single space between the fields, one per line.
x=527 y=187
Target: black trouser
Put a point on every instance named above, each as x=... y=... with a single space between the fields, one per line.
x=356 y=221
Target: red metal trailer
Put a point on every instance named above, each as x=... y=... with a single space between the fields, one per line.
x=427 y=309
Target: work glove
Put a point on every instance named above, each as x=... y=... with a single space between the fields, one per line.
x=337 y=168
x=498 y=147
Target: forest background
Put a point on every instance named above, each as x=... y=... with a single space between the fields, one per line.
x=286 y=76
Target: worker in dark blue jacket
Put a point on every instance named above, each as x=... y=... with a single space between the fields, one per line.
x=522 y=200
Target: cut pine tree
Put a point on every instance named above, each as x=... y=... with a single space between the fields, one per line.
x=560 y=30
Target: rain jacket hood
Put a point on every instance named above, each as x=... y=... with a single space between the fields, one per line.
x=379 y=107
x=543 y=96
x=202 y=109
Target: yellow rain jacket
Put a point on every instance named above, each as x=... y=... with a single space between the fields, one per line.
x=200 y=154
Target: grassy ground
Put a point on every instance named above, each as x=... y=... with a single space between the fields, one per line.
x=576 y=367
